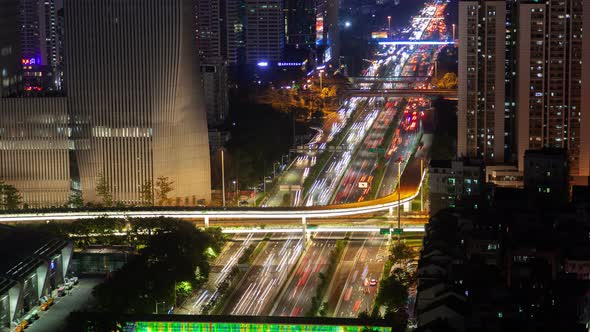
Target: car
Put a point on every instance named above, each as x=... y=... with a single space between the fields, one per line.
x=74 y=280
x=373 y=282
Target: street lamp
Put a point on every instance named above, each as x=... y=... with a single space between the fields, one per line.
x=388 y=25
x=222 y=178
x=399 y=196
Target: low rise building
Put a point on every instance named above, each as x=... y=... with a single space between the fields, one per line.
x=33 y=264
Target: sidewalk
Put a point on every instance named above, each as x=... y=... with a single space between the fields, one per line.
x=55 y=319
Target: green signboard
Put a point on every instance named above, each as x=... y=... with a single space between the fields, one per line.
x=398 y=231
x=384 y=231
x=243 y=327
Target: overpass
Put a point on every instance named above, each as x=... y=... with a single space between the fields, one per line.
x=401 y=93
x=391 y=79
x=387 y=203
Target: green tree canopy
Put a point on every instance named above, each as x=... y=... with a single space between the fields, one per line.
x=10 y=199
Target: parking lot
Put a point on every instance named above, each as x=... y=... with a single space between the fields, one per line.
x=78 y=298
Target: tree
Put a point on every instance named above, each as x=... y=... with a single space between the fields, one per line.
x=393 y=294
x=75 y=200
x=10 y=199
x=448 y=81
x=103 y=190
x=163 y=188
x=401 y=253
x=147 y=193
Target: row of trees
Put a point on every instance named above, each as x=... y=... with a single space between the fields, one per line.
x=10 y=199
x=150 y=194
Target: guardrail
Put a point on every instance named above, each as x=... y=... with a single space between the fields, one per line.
x=382 y=204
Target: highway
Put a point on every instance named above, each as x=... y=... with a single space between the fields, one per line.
x=220 y=269
x=296 y=299
x=259 y=287
x=357 y=293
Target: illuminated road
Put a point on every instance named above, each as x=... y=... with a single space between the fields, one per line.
x=220 y=269
x=356 y=293
x=261 y=284
x=296 y=299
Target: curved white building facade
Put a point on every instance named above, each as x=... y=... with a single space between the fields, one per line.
x=132 y=83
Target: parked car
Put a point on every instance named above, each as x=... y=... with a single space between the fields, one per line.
x=373 y=282
x=74 y=280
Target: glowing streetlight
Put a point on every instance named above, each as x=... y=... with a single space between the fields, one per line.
x=388 y=24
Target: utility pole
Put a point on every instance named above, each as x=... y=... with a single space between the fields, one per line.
x=399 y=198
x=422 y=188
x=222 y=178
x=388 y=26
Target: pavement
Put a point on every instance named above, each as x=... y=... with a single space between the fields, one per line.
x=79 y=298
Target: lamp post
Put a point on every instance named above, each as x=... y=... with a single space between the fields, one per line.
x=222 y=178
x=388 y=26
x=322 y=87
x=422 y=188
x=399 y=197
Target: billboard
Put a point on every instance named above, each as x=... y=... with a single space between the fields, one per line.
x=379 y=35
x=319 y=30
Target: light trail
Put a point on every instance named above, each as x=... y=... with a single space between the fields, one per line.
x=368 y=229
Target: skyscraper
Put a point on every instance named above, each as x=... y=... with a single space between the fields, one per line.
x=264 y=31
x=482 y=96
x=550 y=80
x=300 y=23
x=132 y=113
x=547 y=86
x=133 y=97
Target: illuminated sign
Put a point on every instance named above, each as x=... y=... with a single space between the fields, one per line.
x=379 y=35
x=319 y=30
x=363 y=185
x=290 y=64
x=262 y=64
x=245 y=327
x=31 y=61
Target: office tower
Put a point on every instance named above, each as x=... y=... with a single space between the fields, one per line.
x=132 y=113
x=210 y=24
x=133 y=97
x=264 y=31
x=235 y=32
x=300 y=23
x=482 y=52
x=215 y=91
x=212 y=45
x=550 y=80
x=327 y=30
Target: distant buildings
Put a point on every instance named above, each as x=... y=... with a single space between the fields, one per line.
x=132 y=113
x=265 y=32
x=507 y=107
x=31 y=47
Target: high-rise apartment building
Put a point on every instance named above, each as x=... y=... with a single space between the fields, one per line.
x=327 y=30
x=264 y=31
x=133 y=110
x=482 y=54
x=539 y=52
x=550 y=80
